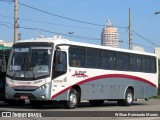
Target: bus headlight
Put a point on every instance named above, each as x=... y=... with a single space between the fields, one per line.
x=43 y=96
x=44 y=86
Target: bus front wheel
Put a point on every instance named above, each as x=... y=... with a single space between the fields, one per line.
x=128 y=98
x=73 y=99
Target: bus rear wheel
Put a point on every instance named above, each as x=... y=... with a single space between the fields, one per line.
x=128 y=98
x=73 y=99
x=96 y=102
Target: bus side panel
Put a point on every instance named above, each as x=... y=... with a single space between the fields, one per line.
x=92 y=91
x=115 y=88
x=63 y=96
x=144 y=91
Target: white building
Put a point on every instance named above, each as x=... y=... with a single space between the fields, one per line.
x=138 y=48
x=157 y=51
x=9 y=44
x=109 y=35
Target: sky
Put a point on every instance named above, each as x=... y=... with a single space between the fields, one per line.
x=145 y=24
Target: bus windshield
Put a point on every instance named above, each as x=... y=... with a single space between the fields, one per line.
x=30 y=62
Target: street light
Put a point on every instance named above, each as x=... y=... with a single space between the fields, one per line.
x=71 y=33
x=158 y=12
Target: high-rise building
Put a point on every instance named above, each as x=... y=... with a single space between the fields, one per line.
x=109 y=35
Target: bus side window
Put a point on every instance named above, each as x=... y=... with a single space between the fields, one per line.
x=59 y=64
x=76 y=57
x=75 y=63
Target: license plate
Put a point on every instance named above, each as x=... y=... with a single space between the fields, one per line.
x=24 y=97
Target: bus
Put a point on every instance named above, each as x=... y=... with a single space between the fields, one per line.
x=4 y=55
x=59 y=70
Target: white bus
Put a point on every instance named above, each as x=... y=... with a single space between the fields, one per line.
x=57 y=69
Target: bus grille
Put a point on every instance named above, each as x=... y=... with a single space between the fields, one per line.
x=26 y=88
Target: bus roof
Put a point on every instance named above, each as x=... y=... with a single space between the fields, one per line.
x=61 y=40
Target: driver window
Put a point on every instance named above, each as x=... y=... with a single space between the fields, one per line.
x=61 y=65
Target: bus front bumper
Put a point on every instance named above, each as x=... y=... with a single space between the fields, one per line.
x=37 y=94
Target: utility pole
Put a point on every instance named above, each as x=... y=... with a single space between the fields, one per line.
x=15 y=20
x=130 y=29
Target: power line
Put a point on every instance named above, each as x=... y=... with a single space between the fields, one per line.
x=6 y=16
x=145 y=39
x=75 y=20
x=51 y=23
x=44 y=30
x=69 y=26
x=138 y=44
x=38 y=29
x=5 y=25
x=76 y=36
x=9 y=1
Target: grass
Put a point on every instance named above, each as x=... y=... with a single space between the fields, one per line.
x=156 y=97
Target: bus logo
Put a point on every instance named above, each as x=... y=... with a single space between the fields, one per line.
x=80 y=74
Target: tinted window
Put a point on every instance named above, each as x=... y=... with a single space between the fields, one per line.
x=60 y=61
x=136 y=63
x=93 y=58
x=146 y=64
x=105 y=59
x=76 y=57
x=122 y=62
x=108 y=60
x=153 y=65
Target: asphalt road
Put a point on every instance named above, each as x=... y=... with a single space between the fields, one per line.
x=140 y=110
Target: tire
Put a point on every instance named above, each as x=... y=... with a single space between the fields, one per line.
x=35 y=104
x=96 y=102
x=73 y=99
x=128 y=99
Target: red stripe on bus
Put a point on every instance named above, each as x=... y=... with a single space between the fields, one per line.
x=106 y=76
